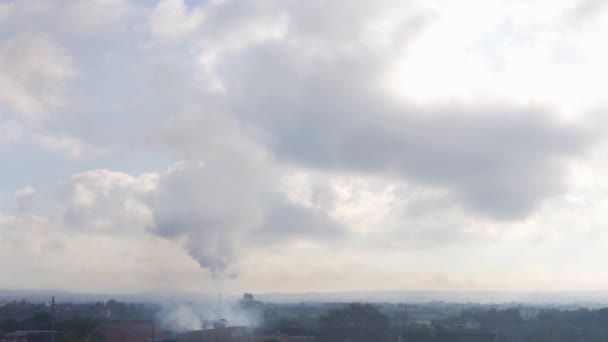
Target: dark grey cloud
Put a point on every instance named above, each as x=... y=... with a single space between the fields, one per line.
x=315 y=98
x=499 y=165
x=330 y=112
x=286 y=222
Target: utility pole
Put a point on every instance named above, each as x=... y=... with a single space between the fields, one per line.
x=53 y=319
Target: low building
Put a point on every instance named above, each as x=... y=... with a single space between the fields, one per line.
x=415 y=335
x=218 y=334
x=464 y=335
x=458 y=324
x=282 y=338
x=446 y=335
x=32 y=336
x=131 y=332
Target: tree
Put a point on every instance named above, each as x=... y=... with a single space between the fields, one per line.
x=39 y=321
x=248 y=302
x=9 y=325
x=355 y=323
x=603 y=316
x=82 y=330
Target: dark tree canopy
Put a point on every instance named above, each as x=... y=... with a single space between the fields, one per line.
x=354 y=323
x=82 y=330
x=249 y=303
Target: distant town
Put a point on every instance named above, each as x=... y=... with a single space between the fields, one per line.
x=249 y=319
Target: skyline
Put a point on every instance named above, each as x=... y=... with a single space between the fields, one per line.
x=290 y=146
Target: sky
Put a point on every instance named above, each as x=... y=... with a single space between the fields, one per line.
x=295 y=146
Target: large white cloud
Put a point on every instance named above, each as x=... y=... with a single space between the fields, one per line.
x=34 y=73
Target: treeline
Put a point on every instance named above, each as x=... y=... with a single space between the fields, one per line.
x=110 y=310
x=337 y=321
x=548 y=325
x=23 y=315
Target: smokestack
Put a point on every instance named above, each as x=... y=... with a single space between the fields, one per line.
x=219 y=305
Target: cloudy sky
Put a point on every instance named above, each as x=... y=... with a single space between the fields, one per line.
x=286 y=145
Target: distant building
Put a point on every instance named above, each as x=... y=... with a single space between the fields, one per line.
x=282 y=338
x=32 y=336
x=131 y=332
x=446 y=335
x=218 y=334
x=464 y=336
x=458 y=324
x=415 y=335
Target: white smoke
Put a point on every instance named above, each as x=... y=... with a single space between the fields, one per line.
x=210 y=207
x=181 y=317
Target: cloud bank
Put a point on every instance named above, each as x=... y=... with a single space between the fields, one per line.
x=289 y=145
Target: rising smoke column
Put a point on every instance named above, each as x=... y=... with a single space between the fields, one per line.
x=210 y=207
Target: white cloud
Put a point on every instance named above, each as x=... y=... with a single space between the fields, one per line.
x=35 y=72
x=25 y=192
x=101 y=200
x=173 y=18
x=31 y=245
x=24 y=197
x=96 y=15
x=73 y=148
x=10 y=131
x=5 y=10
x=521 y=52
